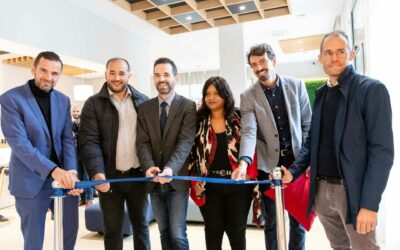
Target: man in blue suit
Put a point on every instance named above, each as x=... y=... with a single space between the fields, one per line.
x=349 y=149
x=36 y=122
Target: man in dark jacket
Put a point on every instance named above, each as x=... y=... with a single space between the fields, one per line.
x=107 y=145
x=349 y=149
x=166 y=131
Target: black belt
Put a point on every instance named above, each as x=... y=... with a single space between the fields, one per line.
x=222 y=172
x=330 y=180
x=286 y=152
x=129 y=171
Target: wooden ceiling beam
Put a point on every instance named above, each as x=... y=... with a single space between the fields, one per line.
x=208 y=4
x=272 y=4
x=167 y=23
x=142 y=5
x=123 y=4
x=249 y=17
x=217 y=13
x=155 y=15
x=181 y=10
x=276 y=12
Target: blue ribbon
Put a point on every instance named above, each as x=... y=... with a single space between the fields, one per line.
x=86 y=184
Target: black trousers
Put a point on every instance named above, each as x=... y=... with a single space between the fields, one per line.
x=226 y=210
x=112 y=206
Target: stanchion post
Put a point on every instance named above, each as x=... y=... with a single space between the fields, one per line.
x=58 y=196
x=279 y=206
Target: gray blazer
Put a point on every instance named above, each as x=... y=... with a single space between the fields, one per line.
x=258 y=123
x=174 y=147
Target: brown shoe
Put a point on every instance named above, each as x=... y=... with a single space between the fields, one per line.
x=3 y=219
x=82 y=202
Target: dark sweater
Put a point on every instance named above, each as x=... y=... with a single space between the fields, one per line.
x=43 y=99
x=327 y=163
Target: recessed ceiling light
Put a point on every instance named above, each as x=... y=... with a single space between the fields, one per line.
x=189 y=18
x=242 y=7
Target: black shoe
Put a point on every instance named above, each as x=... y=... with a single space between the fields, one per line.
x=3 y=219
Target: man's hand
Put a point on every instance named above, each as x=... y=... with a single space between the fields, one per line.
x=366 y=221
x=240 y=172
x=105 y=187
x=152 y=172
x=65 y=178
x=166 y=171
x=287 y=176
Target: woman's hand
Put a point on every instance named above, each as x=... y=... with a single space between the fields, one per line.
x=199 y=188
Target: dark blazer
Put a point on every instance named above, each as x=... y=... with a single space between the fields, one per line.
x=174 y=147
x=98 y=131
x=363 y=141
x=26 y=131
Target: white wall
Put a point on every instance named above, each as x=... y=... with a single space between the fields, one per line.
x=382 y=39
x=13 y=76
x=70 y=30
x=302 y=70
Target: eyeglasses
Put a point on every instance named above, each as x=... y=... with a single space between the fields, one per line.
x=339 y=53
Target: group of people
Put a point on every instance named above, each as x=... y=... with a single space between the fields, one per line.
x=347 y=141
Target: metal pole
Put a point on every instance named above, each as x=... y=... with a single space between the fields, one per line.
x=58 y=196
x=279 y=206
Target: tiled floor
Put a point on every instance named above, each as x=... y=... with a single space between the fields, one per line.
x=11 y=237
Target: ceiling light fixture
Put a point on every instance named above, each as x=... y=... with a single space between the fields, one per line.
x=189 y=18
x=242 y=7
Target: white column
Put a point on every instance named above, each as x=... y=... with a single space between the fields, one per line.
x=383 y=57
x=232 y=58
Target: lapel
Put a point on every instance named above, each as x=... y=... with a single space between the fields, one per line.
x=172 y=113
x=286 y=98
x=345 y=89
x=55 y=113
x=155 y=119
x=260 y=95
x=30 y=99
x=316 y=120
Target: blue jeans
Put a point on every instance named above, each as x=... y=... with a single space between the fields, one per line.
x=170 y=208
x=297 y=234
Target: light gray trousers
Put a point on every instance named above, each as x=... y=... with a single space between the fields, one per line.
x=331 y=208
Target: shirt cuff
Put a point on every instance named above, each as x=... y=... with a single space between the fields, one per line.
x=246 y=159
x=73 y=171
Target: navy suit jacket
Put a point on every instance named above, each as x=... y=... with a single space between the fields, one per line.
x=363 y=141
x=26 y=131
